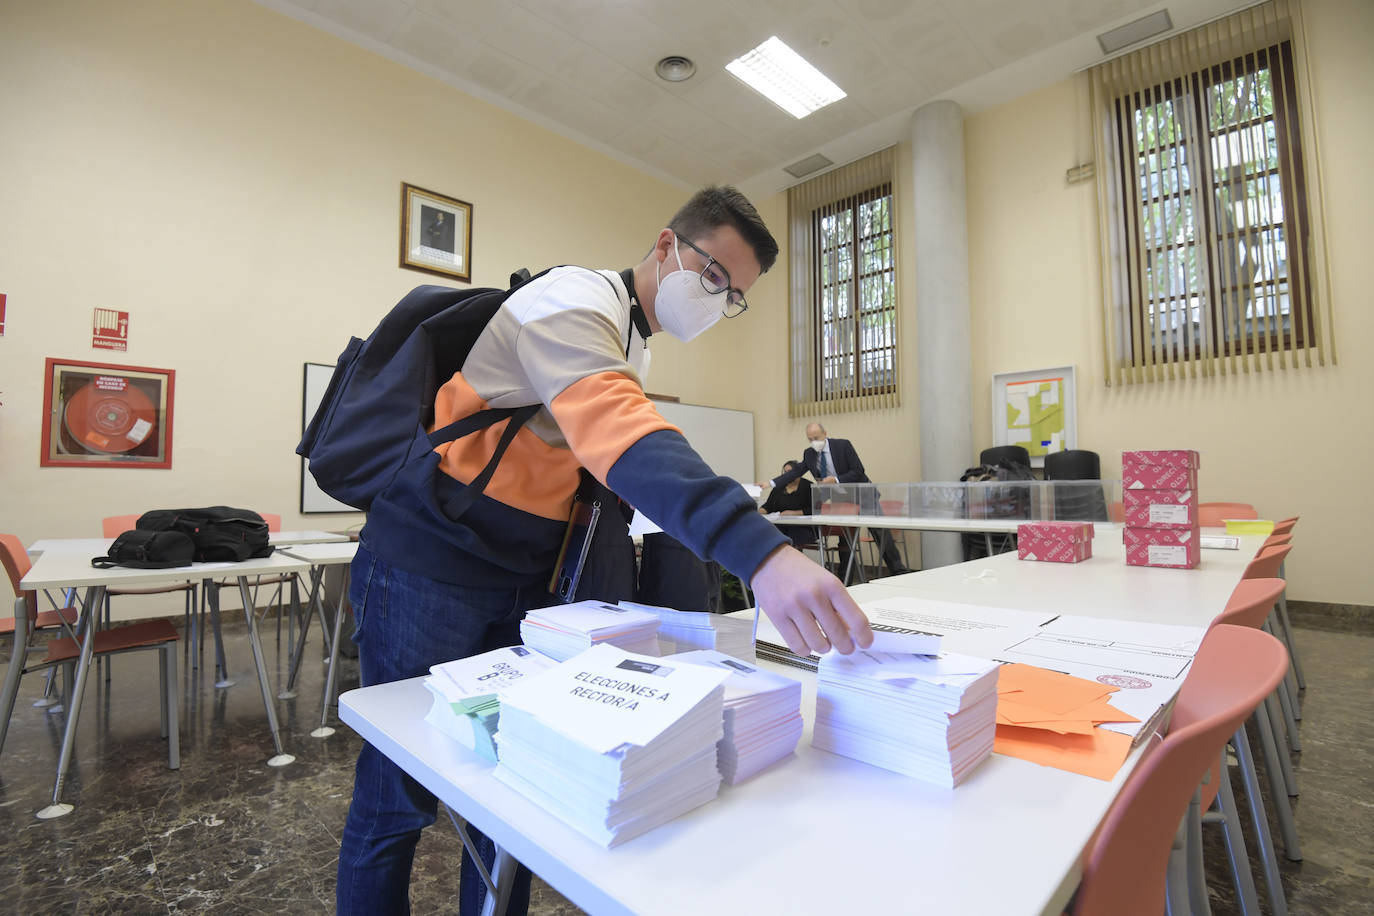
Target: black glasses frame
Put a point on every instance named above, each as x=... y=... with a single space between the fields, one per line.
x=735 y=304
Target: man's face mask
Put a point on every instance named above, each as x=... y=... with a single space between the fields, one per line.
x=682 y=305
x=818 y=444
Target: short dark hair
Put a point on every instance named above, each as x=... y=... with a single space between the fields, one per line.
x=788 y=465
x=725 y=206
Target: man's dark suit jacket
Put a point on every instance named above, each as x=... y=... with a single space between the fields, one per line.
x=848 y=468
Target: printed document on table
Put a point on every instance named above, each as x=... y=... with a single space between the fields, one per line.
x=967 y=628
x=606 y=697
x=1147 y=661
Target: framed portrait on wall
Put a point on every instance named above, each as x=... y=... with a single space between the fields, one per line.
x=103 y=415
x=436 y=233
x=1036 y=410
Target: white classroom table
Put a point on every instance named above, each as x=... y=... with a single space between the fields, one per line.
x=285 y=538
x=824 y=834
x=320 y=556
x=68 y=565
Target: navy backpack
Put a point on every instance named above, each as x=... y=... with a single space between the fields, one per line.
x=373 y=417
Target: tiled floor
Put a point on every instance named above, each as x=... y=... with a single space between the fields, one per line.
x=228 y=834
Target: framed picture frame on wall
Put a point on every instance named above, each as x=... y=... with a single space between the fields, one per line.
x=1036 y=410
x=436 y=233
x=105 y=415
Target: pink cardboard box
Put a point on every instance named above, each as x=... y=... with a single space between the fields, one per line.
x=1055 y=542
x=1177 y=548
x=1171 y=469
x=1160 y=508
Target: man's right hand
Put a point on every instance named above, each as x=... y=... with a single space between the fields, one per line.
x=811 y=608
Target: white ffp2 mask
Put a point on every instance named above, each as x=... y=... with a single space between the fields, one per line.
x=682 y=305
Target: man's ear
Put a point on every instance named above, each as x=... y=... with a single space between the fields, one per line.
x=663 y=245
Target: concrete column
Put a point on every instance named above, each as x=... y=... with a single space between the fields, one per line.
x=943 y=355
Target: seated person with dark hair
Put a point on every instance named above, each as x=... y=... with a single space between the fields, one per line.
x=793 y=498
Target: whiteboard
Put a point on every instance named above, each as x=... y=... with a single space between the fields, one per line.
x=723 y=437
x=313 y=499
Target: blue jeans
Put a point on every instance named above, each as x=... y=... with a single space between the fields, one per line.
x=405 y=623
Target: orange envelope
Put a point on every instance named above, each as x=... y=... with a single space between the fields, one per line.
x=1098 y=755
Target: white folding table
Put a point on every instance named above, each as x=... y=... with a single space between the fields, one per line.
x=819 y=833
x=320 y=556
x=61 y=566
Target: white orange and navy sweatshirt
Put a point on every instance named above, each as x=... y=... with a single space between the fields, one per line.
x=566 y=341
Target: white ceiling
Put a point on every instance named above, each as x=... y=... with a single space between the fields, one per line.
x=585 y=68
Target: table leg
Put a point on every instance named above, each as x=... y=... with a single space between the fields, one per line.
x=282 y=758
x=324 y=731
x=95 y=597
x=499 y=881
x=298 y=650
x=212 y=598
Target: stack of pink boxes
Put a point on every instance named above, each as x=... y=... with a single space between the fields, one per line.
x=1159 y=492
x=1057 y=542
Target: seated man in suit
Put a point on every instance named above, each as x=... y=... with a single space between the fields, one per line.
x=834 y=461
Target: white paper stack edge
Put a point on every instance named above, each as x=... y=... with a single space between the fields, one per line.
x=613 y=743
x=562 y=631
x=683 y=631
x=763 y=721
x=465 y=693
x=931 y=717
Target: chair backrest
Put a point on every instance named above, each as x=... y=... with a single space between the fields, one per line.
x=1013 y=454
x=1116 y=511
x=1251 y=602
x=273 y=521
x=1266 y=563
x=112 y=526
x=1278 y=540
x=1286 y=525
x=1234 y=670
x=1073 y=464
x=17 y=563
x=1213 y=515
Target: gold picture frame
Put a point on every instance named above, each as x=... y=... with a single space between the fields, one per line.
x=436 y=233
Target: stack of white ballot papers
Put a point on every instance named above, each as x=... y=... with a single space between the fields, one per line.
x=932 y=716
x=763 y=720
x=612 y=742
x=562 y=631
x=683 y=631
x=466 y=707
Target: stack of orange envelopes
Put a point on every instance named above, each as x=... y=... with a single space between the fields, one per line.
x=1052 y=719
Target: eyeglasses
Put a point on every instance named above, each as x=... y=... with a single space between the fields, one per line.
x=715 y=279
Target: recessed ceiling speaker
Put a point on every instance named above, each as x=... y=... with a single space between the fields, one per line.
x=812 y=163
x=675 y=68
x=1135 y=32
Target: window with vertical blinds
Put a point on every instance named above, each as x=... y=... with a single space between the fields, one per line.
x=1212 y=254
x=843 y=289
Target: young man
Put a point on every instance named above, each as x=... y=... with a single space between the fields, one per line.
x=834 y=461
x=427 y=588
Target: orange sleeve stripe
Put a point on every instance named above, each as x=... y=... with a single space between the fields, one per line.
x=602 y=415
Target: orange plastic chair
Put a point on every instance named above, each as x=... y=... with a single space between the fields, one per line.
x=1125 y=871
x=1266 y=563
x=842 y=535
x=1116 y=511
x=1214 y=515
x=273 y=521
x=1248 y=606
x=1285 y=526
x=157 y=635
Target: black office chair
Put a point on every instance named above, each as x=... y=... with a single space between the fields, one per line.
x=1012 y=501
x=1082 y=504
x=1004 y=454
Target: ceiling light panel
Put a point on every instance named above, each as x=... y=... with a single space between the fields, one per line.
x=783 y=76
